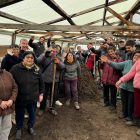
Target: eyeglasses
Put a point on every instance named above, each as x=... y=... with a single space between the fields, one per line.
x=29 y=57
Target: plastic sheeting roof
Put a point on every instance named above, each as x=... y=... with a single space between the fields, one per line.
x=37 y=11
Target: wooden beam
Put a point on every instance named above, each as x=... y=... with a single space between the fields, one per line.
x=59 y=10
x=128 y=36
x=100 y=20
x=13 y=39
x=134 y=8
x=119 y=16
x=84 y=12
x=69 y=28
x=104 y=16
x=77 y=41
x=108 y=23
x=4 y=3
x=11 y=17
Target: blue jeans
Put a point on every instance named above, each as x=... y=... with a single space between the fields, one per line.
x=20 y=110
x=71 y=88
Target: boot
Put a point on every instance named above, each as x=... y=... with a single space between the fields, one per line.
x=77 y=107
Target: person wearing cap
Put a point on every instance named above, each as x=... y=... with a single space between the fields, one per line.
x=11 y=58
x=47 y=62
x=121 y=51
x=30 y=89
x=8 y=94
x=38 y=47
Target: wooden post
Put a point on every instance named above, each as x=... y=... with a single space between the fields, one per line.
x=13 y=39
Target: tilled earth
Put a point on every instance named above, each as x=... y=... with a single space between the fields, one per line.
x=91 y=122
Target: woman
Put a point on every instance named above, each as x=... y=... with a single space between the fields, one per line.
x=8 y=93
x=71 y=74
x=109 y=78
x=30 y=88
x=126 y=89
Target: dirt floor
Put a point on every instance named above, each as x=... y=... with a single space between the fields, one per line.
x=91 y=122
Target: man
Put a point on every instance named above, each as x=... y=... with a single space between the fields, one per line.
x=47 y=62
x=38 y=47
x=23 y=47
x=79 y=54
x=11 y=58
x=121 y=51
x=130 y=48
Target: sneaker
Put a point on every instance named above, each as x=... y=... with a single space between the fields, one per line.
x=53 y=112
x=133 y=123
x=18 y=134
x=26 y=116
x=77 y=107
x=68 y=102
x=138 y=132
x=58 y=103
x=40 y=112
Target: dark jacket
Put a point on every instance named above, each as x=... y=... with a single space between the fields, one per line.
x=121 y=52
x=37 y=47
x=29 y=81
x=8 y=91
x=9 y=61
x=48 y=72
x=129 y=56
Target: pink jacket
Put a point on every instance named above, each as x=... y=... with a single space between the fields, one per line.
x=133 y=73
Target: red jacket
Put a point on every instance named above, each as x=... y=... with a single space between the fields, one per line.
x=109 y=75
x=90 y=61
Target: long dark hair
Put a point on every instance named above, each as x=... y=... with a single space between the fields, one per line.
x=66 y=58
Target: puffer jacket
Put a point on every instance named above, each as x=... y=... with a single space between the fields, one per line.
x=110 y=76
x=8 y=91
x=29 y=81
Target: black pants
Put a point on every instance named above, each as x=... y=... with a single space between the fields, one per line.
x=47 y=95
x=112 y=91
x=20 y=110
x=127 y=99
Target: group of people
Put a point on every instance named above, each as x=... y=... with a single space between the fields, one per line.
x=28 y=77
x=119 y=73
